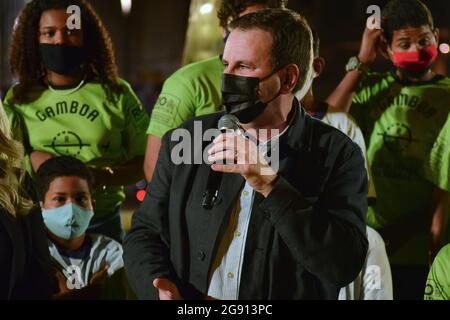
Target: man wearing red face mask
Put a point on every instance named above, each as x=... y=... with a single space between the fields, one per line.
x=404 y=116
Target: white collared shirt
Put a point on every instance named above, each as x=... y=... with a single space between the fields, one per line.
x=226 y=276
x=226 y=270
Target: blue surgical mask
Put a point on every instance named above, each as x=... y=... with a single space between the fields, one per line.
x=68 y=221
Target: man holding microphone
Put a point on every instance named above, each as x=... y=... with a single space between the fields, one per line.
x=295 y=233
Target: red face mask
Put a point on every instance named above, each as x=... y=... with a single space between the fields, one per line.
x=416 y=61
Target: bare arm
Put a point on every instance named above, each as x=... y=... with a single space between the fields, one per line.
x=341 y=98
x=38 y=158
x=120 y=175
x=151 y=156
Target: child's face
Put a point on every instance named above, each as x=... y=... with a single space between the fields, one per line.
x=413 y=50
x=413 y=39
x=64 y=190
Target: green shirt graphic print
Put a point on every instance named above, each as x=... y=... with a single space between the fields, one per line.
x=193 y=90
x=407 y=131
x=84 y=124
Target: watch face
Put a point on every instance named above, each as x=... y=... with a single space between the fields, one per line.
x=352 y=64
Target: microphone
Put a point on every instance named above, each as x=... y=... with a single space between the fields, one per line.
x=226 y=122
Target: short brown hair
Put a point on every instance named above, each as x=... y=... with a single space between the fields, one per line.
x=231 y=9
x=292 y=38
x=63 y=166
x=400 y=14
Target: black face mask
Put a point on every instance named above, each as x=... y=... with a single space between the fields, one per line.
x=62 y=59
x=240 y=96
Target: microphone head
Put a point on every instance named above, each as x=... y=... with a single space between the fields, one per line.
x=228 y=122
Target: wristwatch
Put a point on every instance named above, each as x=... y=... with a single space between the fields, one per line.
x=354 y=64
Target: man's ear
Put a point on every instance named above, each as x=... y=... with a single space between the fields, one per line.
x=93 y=204
x=292 y=74
x=319 y=65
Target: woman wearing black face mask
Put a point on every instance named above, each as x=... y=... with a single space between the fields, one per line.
x=70 y=101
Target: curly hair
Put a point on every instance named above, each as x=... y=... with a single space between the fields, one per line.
x=231 y=9
x=13 y=198
x=26 y=61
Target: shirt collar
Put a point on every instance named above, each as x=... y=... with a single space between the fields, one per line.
x=295 y=135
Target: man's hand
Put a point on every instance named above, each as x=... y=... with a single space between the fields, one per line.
x=242 y=156
x=167 y=289
x=370 y=43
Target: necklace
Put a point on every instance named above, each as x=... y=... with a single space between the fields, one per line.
x=68 y=92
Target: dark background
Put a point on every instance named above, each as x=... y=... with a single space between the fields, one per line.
x=149 y=42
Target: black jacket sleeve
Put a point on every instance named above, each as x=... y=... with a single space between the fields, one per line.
x=41 y=281
x=6 y=256
x=26 y=271
x=146 y=247
x=329 y=236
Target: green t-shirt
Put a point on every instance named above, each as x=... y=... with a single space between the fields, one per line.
x=191 y=91
x=438 y=282
x=407 y=131
x=84 y=124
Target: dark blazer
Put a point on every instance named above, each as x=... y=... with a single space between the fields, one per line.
x=25 y=265
x=305 y=240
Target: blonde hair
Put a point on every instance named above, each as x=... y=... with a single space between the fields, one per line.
x=12 y=173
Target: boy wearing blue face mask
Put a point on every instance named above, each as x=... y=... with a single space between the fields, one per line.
x=404 y=116
x=89 y=262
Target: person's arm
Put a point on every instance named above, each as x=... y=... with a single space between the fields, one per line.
x=439 y=219
x=120 y=175
x=176 y=104
x=151 y=156
x=328 y=238
x=116 y=175
x=437 y=170
x=341 y=98
x=146 y=252
x=37 y=158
